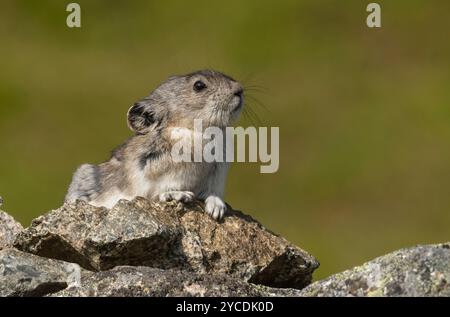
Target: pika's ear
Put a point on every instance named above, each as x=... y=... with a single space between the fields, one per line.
x=141 y=117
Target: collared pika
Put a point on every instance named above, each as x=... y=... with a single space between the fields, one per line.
x=143 y=165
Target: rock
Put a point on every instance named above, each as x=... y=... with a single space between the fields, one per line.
x=135 y=281
x=142 y=248
x=418 y=271
x=9 y=228
x=98 y=238
x=168 y=236
x=23 y=274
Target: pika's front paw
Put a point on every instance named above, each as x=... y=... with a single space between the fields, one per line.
x=183 y=196
x=215 y=207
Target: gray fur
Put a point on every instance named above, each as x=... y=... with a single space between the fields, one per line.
x=85 y=183
x=143 y=166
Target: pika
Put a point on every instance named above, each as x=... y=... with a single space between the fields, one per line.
x=143 y=165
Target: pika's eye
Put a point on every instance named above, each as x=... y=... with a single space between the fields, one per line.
x=199 y=86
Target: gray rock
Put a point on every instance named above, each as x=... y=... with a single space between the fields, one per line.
x=23 y=274
x=142 y=248
x=168 y=236
x=135 y=281
x=418 y=271
x=9 y=229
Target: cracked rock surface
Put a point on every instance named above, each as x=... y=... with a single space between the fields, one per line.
x=142 y=248
x=418 y=271
x=168 y=236
x=145 y=281
x=9 y=229
x=23 y=274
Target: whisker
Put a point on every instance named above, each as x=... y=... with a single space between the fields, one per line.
x=252 y=114
x=248 y=117
x=256 y=88
x=258 y=103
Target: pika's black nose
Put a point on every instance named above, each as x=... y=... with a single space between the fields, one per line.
x=239 y=92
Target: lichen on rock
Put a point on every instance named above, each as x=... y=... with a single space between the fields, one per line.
x=143 y=248
x=167 y=236
x=9 y=229
x=145 y=281
x=23 y=274
x=418 y=271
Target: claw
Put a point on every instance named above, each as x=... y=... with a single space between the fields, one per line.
x=183 y=196
x=215 y=207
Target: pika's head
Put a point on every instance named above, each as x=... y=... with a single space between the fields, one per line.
x=211 y=96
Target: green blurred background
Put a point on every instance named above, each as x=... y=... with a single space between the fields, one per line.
x=364 y=114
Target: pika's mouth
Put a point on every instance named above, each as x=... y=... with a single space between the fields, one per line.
x=239 y=104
